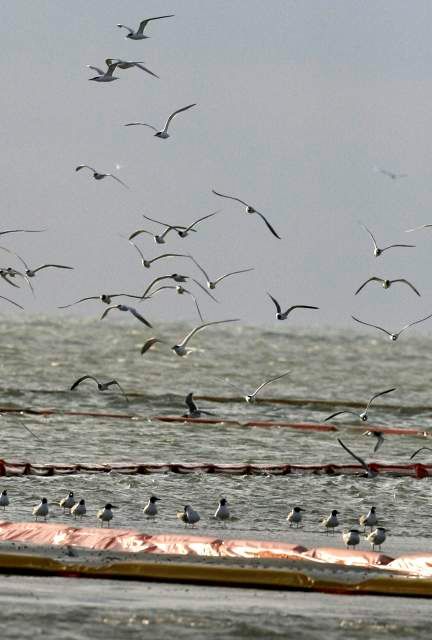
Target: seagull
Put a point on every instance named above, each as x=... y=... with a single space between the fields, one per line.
x=129 y=64
x=41 y=510
x=222 y=512
x=193 y=411
x=188 y=515
x=211 y=284
x=422 y=226
x=418 y=451
x=104 y=76
x=363 y=416
x=386 y=283
x=392 y=336
x=369 y=520
x=102 y=386
x=4 y=500
x=106 y=514
x=100 y=176
x=295 y=516
x=177 y=277
x=147 y=263
x=351 y=538
x=79 y=509
x=180 y=349
x=390 y=174
x=377 y=537
x=12 y=302
x=377 y=250
x=370 y=473
x=285 y=314
x=180 y=290
x=331 y=521
x=378 y=435
x=30 y=273
x=163 y=133
x=68 y=502
x=139 y=33
x=124 y=307
x=182 y=231
x=106 y=298
x=150 y=509
x=249 y=209
x=251 y=397
x=159 y=238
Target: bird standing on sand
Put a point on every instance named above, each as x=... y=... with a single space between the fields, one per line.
x=331 y=522
x=106 y=514
x=351 y=538
x=79 y=509
x=188 y=515
x=369 y=520
x=377 y=537
x=222 y=512
x=295 y=516
x=68 y=502
x=41 y=510
x=151 y=509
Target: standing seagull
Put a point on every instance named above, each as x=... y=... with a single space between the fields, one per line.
x=386 y=283
x=163 y=133
x=392 y=336
x=377 y=537
x=212 y=283
x=222 y=512
x=124 y=307
x=151 y=509
x=139 y=33
x=377 y=250
x=295 y=516
x=79 y=509
x=363 y=416
x=331 y=522
x=369 y=520
x=249 y=209
x=4 y=500
x=251 y=397
x=41 y=510
x=68 y=502
x=106 y=514
x=102 y=386
x=104 y=76
x=100 y=176
x=129 y=64
x=351 y=538
x=285 y=314
x=188 y=515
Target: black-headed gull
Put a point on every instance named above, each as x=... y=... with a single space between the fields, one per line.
x=180 y=349
x=68 y=502
x=106 y=298
x=364 y=415
x=377 y=537
x=100 y=176
x=106 y=514
x=41 y=510
x=251 y=397
x=377 y=251
x=351 y=538
x=188 y=515
x=151 y=509
x=162 y=133
x=193 y=411
x=139 y=33
x=222 y=512
x=212 y=283
x=295 y=516
x=249 y=209
x=386 y=283
x=148 y=263
x=369 y=519
x=284 y=315
x=331 y=521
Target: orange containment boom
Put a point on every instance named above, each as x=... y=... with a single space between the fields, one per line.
x=209 y=560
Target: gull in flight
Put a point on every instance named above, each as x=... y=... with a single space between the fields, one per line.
x=104 y=76
x=139 y=33
x=106 y=298
x=212 y=283
x=370 y=473
x=422 y=226
x=102 y=386
x=386 y=283
x=390 y=174
x=163 y=133
x=129 y=64
x=30 y=273
x=100 y=176
x=180 y=290
x=285 y=314
x=251 y=397
x=123 y=307
x=148 y=263
x=193 y=411
x=249 y=209
x=364 y=415
x=177 y=277
x=378 y=435
x=180 y=349
x=182 y=231
x=377 y=250
x=392 y=336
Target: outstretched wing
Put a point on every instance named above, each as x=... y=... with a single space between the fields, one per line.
x=148 y=344
x=145 y=22
x=189 y=106
x=408 y=283
x=186 y=339
x=415 y=322
x=339 y=413
x=268 y=224
x=140 y=124
x=107 y=310
x=375 y=326
x=275 y=302
x=118 y=180
x=377 y=395
x=373 y=279
x=84 y=166
x=139 y=317
x=300 y=306
x=353 y=455
x=264 y=384
x=65 y=306
x=418 y=451
x=371 y=234
x=222 y=195
x=12 y=302
x=232 y=273
x=123 y=26
x=55 y=266
x=412 y=246
x=210 y=215
x=78 y=382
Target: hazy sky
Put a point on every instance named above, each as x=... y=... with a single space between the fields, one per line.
x=297 y=102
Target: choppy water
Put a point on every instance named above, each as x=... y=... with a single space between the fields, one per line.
x=42 y=357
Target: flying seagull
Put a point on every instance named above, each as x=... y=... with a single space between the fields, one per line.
x=100 y=176
x=370 y=473
x=364 y=415
x=139 y=33
x=386 y=283
x=422 y=226
x=393 y=336
x=390 y=174
x=102 y=386
x=182 y=231
x=181 y=291
x=379 y=437
x=249 y=209
x=251 y=397
x=212 y=283
x=163 y=133
x=30 y=273
x=377 y=250
x=285 y=314
x=106 y=298
x=147 y=263
x=104 y=76
x=177 y=277
x=123 y=307
x=129 y=64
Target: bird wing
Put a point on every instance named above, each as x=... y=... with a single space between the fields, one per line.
x=154 y=282
x=77 y=382
x=141 y=66
x=145 y=22
x=422 y=226
x=16 y=255
x=186 y=339
x=56 y=266
x=222 y=195
x=85 y=166
x=138 y=232
x=189 y=106
x=190 y=403
x=12 y=284
x=148 y=344
x=123 y=26
x=118 y=180
x=275 y=302
x=418 y=451
x=140 y=124
x=370 y=233
x=398 y=245
x=380 y=440
x=338 y=413
x=233 y=273
x=65 y=306
x=170 y=255
x=2 y=233
x=165 y=286
x=377 y=395
x=205 y=290
x=268 y=224
x=299 y=306
x=373 y=279
x=415 y=322
x=234 y=386
x=97 y=69
x=138 y=316
x=12 y=302
x=264 y=384
x=200 y=268
x=371 y=325
x=107 y=310
x=112 y=382
x=201 y=219
x=353 y=455
x=196 y=304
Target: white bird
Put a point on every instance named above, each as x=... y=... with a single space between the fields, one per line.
x=351 y=538
x=106 y=514
x=295 y=516
x=139 y=33
x=222 y=512
x=386 y=283
x=180 y=349
x=193 y=411
x=147 y=263
x=123 y=307
x=68 y=502
x=377 y=537
x=249 y=209
x=41 y=510
x=79 y=509
x=211 y=284
x=284 y=315
x=390 y=174
x=331 y=521
x=106 y=298
x=369 y=471
x=102 y=386
x=4 y=500
x=162 y=133
x=422 y=226
x=188 y=515
x=100 y=176
x=377 y=251
x=150 y=509
x=392 y=336
x=369 y=520
x=129 y=64
x=251 y=397
x=364 y=415
x=104 y=76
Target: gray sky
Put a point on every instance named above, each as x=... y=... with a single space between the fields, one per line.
x=297 y=101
